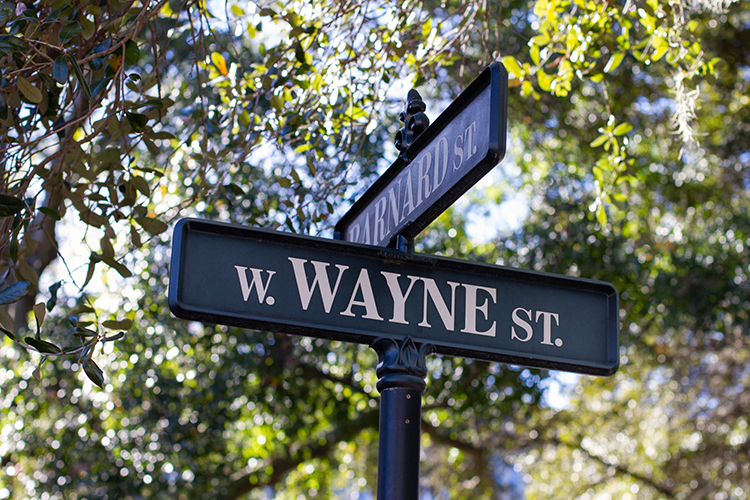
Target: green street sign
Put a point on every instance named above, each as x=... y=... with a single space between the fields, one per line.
x=269 y=280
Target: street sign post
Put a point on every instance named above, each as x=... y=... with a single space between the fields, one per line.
x=268 y=280
x=464 y=143
x=405 y=305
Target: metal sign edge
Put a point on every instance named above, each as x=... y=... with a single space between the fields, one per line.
x=331 y=333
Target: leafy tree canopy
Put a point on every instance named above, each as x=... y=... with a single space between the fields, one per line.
x=629 y=130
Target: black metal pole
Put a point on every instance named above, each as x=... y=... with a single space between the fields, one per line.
x=401 y=372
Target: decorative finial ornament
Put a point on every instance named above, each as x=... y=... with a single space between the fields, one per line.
x=415 y=121
x=401 y=364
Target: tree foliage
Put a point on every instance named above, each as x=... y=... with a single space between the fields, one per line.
x=629 y=132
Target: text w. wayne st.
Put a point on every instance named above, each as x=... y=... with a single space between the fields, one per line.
x=343 y=291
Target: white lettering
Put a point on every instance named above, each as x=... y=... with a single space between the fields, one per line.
x=468 y=136
x=257 y=282
x=423 y=177
x=368 y=298
x=320 y=280
x=393 y=201
x=366 y=230
x=472 y=308
x=459 y=152
x=547 y=316
x=354 y=233
x=431 y=289
x=399 y=299
x=522 y=323
x=439 y=175
x=379 y=224
x=408 y=197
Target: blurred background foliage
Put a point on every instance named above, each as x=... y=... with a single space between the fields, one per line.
x=628 y=162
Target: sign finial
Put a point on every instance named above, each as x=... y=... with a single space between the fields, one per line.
x=415 y=121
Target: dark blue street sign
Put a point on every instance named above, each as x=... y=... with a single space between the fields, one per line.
x=269 y=280
x=464 y=143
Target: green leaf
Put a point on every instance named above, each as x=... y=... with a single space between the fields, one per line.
x=50 y=212
x=152 y=225
x=106 y=247
x=601 y=215
x=90 y=270
x=614 y=62
x=157 y=135
x=659 y=53
x=13 y=250
x=540 y=40
x=29 y=91
x=79 y=76
x=5 y=319
x=37 y=373
x=117 y=266
x=18 y=43
x=9 y=334
x=40 y=311
x=14 y=293
x=621 y=197
x=43 y=346
x=122 y=324
x=599 y=141
x=94 y=373
x=55 y=16
x=277 y=102
x=512 y=66
x=132 y=52
x=116 y=336
x=301 y=55
x=141 y=185
x=135 y=237
x=26 y=272
x=137 y=121
x=52 y=302
x=154 y=103
x=100 y=85
x=545 y=80
x=87 y=28
x=426 y=27
x=5 y=14
x=622 y=129
x=10 y=205
x=152 y=148
x=220 y=63
x=599 y=175
x=69 y=31
x=84 y=332
x=60 y=69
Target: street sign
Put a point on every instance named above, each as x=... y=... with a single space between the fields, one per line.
x=269 y=280
x=466 y=141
